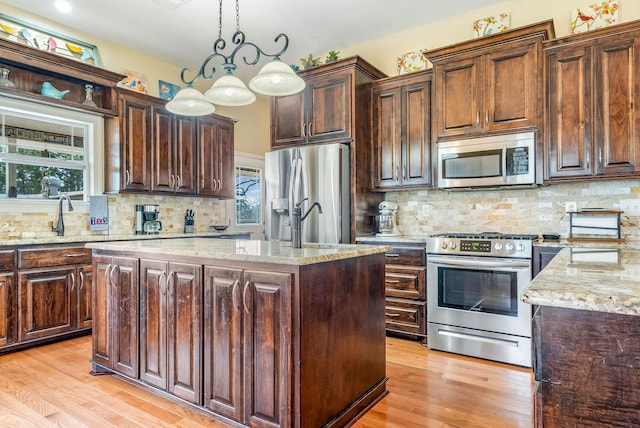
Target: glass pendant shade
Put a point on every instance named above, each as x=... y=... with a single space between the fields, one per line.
x=277 y=79
x=190 y=102
x=229 y=91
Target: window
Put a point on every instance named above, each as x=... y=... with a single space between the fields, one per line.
x=45 y=152
x=248 y=196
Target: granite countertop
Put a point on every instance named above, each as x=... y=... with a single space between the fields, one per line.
x=245 y=250
x=563 y=242
x=594 y=279
x=70 y=239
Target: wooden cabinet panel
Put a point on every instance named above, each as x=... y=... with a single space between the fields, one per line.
x=329 y=107
x=103 y=308
x=406 y=255
x=267 y=347
x=489 y=85
x=185 y=142
x=85 y=281
x=153 y=323
x=33 y=258
x=47 y=302
x=617 y=121
x=592 y=92
x=387 y=136
x=405 y=316
x=405 y=282
x=512 y=88
x=542 y=256
x=288 y=120
x=416 y=127
x=458 y=99
x=7 y=311
x=184 y=323
x=216 y=162
x=402 y=131
x=569 y=112
x=170 y=327
x=135 y=153
x=7 y=260
x=223 y=369
x=162 y=151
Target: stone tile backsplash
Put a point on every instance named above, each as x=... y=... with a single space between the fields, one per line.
x=121 y=217
x=530 y=211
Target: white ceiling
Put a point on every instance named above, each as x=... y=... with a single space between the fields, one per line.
x=184 y=36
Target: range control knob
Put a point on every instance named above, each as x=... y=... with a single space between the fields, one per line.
x=509 y=247
x=443 y=245
x=521 y=247
x=498 y=247
x=452 y=245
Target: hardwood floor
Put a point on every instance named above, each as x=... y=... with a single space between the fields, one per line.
x=51 y=386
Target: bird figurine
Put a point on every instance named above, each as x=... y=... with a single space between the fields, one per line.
x=73 y=48
x=51 y=44
x=48 y=90
x=86 y=54
x=28 y=37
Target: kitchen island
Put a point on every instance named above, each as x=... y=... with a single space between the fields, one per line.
x=255 y=333
x=586 y=330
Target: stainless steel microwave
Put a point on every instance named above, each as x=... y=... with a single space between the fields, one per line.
x=496 y=161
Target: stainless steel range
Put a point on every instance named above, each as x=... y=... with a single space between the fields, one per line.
x=474 y=288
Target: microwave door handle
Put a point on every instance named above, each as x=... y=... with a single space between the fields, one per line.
x=504 y=163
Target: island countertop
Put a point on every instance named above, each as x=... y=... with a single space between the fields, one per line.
x=592 y=279
x=245 y=250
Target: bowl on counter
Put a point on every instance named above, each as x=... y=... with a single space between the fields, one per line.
x=220 y=228
x=550 y=236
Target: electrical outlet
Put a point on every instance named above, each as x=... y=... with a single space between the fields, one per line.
x=570 y=206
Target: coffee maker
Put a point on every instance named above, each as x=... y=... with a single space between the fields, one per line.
x=386 y=219
x=147 y=222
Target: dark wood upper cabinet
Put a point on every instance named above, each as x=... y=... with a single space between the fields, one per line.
x=150 y=150
x=402 y=131
x=215 y=156
x=332 y=106
x=487 y=85
x=592 y=124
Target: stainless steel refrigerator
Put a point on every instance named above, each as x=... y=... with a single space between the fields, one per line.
x=318 y=173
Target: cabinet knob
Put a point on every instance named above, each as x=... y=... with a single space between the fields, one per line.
x=303 y=131
x=244 y=297
x=310 y=130
x=172 y=182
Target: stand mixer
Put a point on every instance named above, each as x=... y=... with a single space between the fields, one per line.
x=386 y=219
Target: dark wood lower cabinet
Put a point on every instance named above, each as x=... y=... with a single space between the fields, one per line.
x=115 y=314
x=257 y=344
x=589 y=369
x=46 y=303
x=170 y=331
x=6 y=308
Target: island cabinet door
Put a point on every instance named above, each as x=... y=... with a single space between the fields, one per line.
x=47 y=301
x=115 y=314
x=184 y=335
x=85 y=312
x=153 y=322
x=223 y=341
x=268 y=362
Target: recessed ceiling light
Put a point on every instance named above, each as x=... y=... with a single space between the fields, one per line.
x=63 y=6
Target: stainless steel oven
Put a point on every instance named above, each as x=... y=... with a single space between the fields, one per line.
x=474 y=289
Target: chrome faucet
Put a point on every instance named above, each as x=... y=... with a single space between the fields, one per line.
x=60 y=228
x=298 y=218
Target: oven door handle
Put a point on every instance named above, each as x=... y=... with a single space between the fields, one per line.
x=475 y=263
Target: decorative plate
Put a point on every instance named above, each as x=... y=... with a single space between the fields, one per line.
x=594 y=16
x=490 y=25
x=167 y=90
x=411 y=61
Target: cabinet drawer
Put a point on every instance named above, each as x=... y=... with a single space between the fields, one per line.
x=406 y=256
x=53 y=256
x=405 y=316
x=7 y=261
x=405 y=282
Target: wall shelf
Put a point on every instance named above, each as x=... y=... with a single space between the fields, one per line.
x=594 y=225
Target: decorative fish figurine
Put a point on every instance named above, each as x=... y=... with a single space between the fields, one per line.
x=48 y=90
x=52 y=44
x=28 y=37
x=8 y=28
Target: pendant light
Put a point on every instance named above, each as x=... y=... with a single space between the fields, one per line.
x=274 y=79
